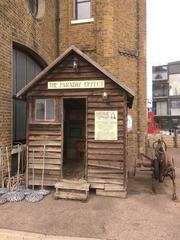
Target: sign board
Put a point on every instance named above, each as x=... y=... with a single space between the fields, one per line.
x=76 y=84
x=106 y=125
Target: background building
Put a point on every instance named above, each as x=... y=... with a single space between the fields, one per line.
x=34 y=32
x=166 y=95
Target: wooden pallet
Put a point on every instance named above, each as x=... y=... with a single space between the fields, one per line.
x=72 y=189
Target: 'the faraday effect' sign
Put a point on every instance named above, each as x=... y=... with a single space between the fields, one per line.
x=106 y=125
x=76 y=84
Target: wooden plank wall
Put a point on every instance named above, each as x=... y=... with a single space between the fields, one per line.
x=50 y=136
x=105 y=160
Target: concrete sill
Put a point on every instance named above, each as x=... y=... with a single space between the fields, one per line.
x=79 y=21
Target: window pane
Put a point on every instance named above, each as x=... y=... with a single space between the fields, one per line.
x=174 y=86
x=83 y=10
x=49 y=109
x=160 y=73
x=175 y=107
x=161 y=108
x=33 y=6
x=160 y=90
x=40 y=109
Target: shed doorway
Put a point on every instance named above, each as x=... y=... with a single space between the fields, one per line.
x=74 y=155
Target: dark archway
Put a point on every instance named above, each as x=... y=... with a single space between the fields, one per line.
x=26 y=65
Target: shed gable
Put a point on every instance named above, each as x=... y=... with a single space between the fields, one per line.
x=62 y=68
x=64 y=72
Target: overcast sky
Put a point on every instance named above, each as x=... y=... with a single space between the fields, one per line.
x=163 y=34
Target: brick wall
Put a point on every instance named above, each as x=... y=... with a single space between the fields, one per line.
x=18 y=25
x=116 y=40
x=171 y=141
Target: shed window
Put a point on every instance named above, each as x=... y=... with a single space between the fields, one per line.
x=44 y=109
x=82 y=9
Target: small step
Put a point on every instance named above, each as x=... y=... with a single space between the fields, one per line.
x=72 y=189
x=112 y=190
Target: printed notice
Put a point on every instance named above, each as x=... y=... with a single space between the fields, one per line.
x=106 y=125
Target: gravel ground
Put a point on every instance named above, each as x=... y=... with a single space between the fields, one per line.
x=142 y=215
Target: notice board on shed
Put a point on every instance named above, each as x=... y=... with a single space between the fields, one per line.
x=106 y=125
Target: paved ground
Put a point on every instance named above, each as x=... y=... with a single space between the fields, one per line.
x=142 y=215
x=6 y=234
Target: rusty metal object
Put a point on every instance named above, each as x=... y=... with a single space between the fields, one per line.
x=161 y=164
x=165 y=162
x=144 y=163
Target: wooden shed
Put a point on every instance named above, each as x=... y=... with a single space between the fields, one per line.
x=77 y=123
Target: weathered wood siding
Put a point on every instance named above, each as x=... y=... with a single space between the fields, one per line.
x=105 y=159
x=50 y=136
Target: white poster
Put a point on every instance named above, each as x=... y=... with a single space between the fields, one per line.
x=106 y=125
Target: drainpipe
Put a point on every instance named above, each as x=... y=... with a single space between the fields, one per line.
x=57 y=27
x=138 y=87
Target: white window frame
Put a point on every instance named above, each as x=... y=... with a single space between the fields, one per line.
x=75 y=9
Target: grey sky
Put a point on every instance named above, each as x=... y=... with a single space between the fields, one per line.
x=163 y=34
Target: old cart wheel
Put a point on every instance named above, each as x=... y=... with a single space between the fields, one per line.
x=156 y=168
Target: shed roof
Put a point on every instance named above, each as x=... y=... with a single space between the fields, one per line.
x=58 y=60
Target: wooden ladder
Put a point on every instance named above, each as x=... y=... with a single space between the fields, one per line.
x=72 y=189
